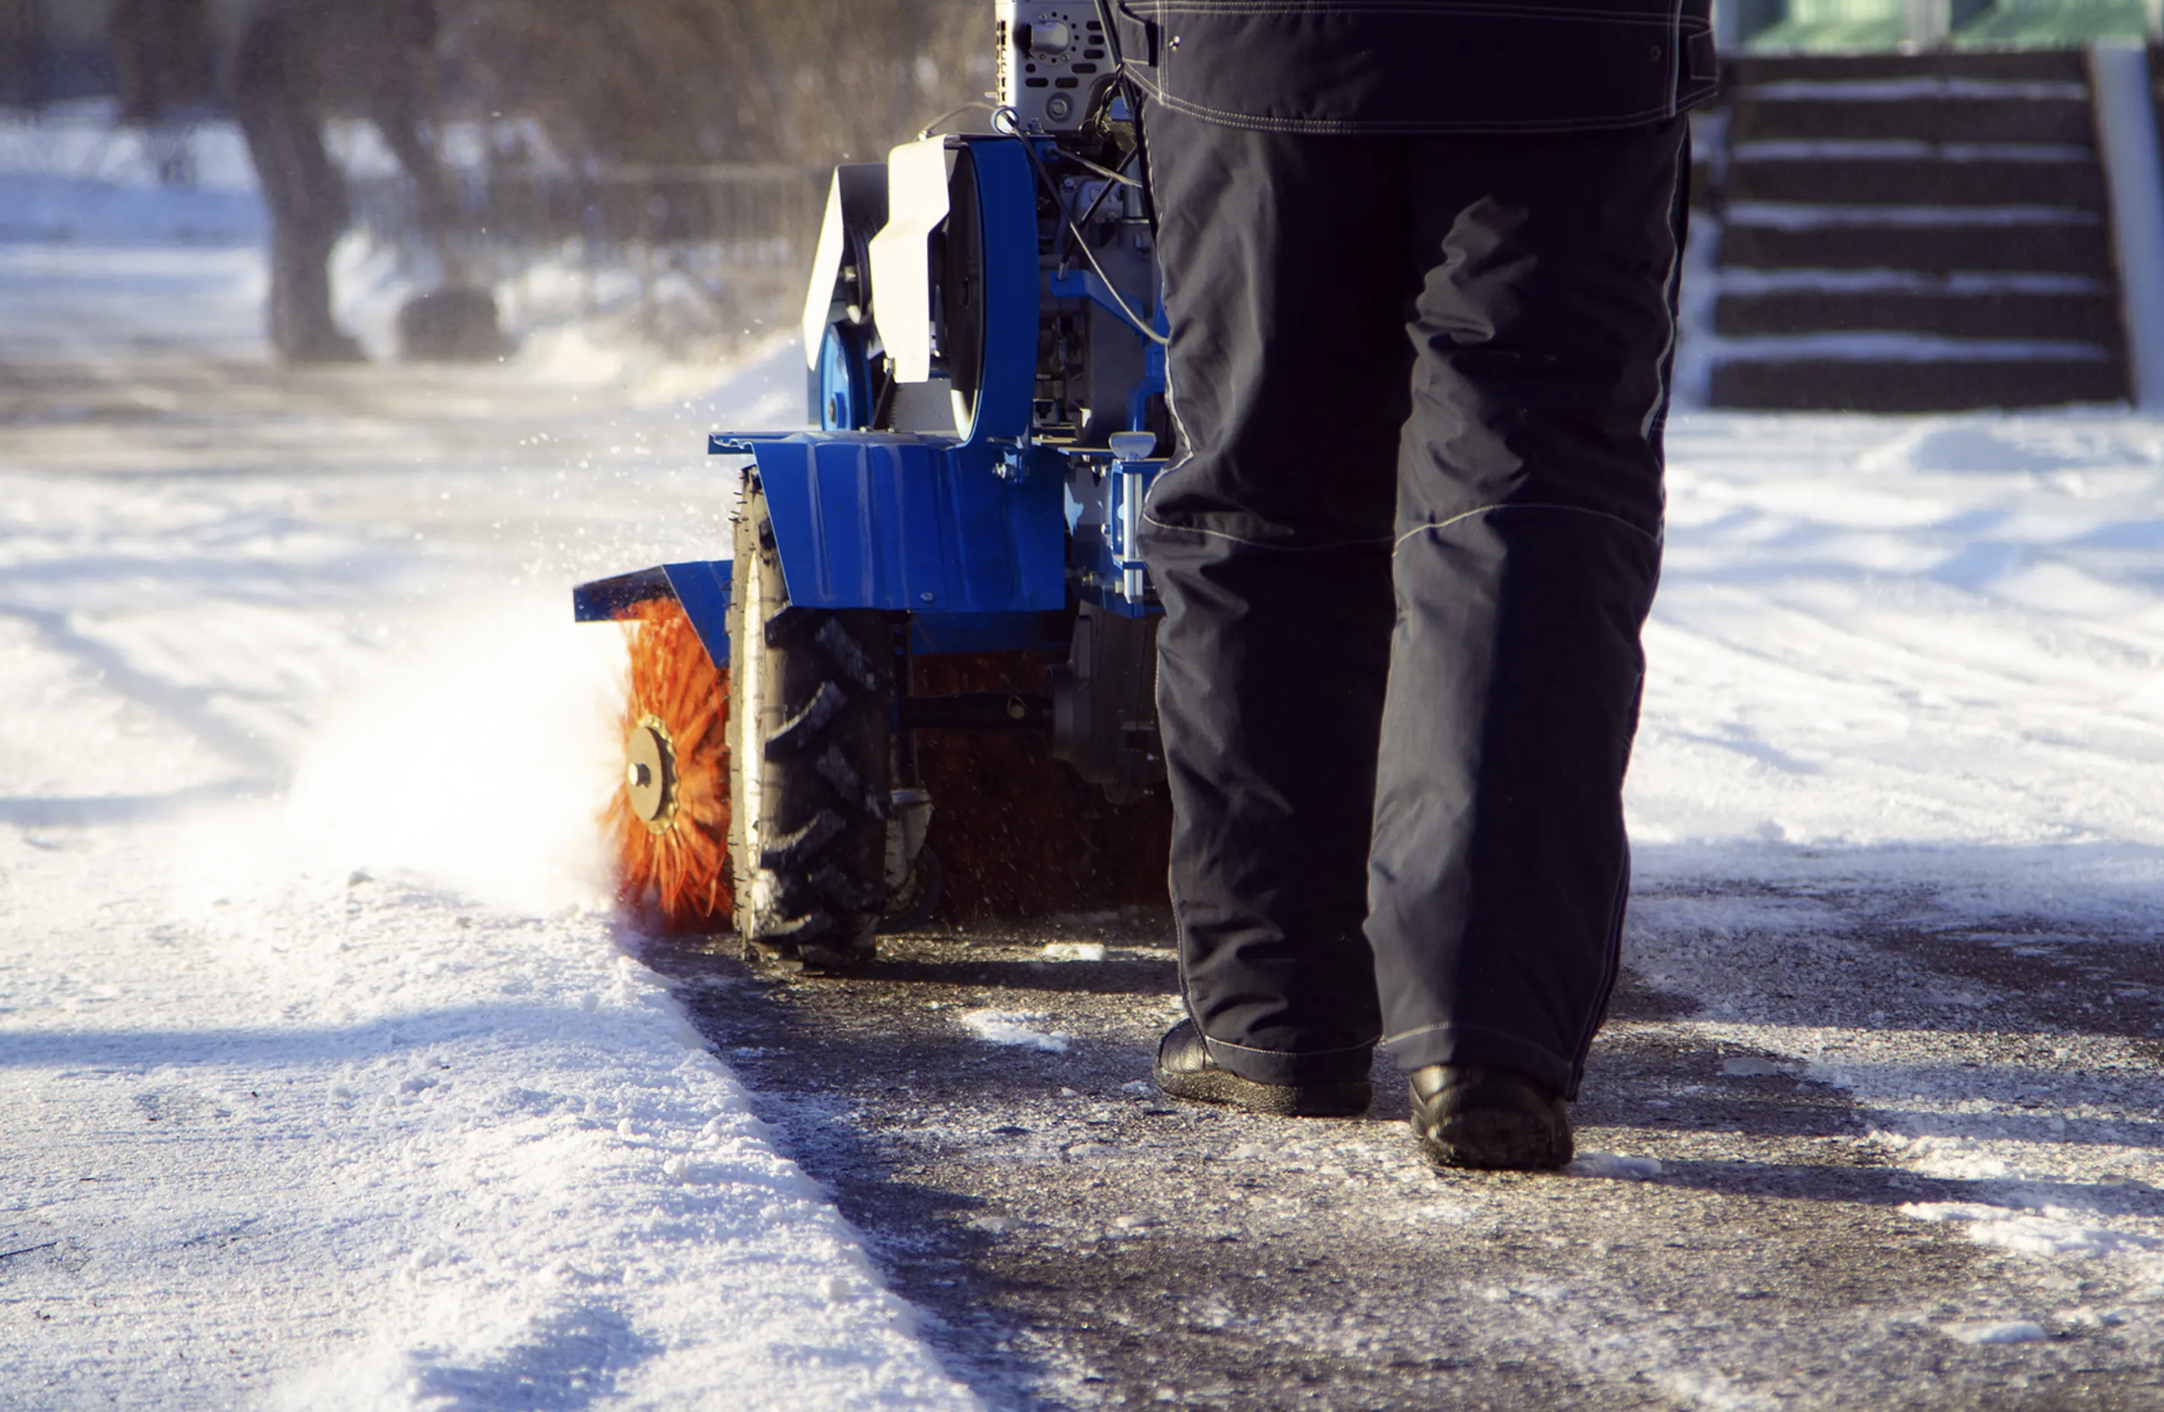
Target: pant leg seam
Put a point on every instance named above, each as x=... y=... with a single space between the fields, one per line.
x=1418 y=530
x=1153 y=522
x=1292 y=1053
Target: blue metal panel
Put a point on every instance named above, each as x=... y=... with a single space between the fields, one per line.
x=925 y=524
x=606 y=600
x=702 y=586
x=912 y=523
x=1007 y=205
x=742 y=443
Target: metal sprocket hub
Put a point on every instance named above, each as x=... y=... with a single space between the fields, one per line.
x=650 y=773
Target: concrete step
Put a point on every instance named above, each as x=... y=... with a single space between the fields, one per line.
x=2055 y=247
x=2082 y=318
x=1905 y=386
x=1916 y=175
x=1755 y=116
x=1914 y=233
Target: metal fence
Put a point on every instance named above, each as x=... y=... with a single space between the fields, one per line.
x=740 y=235
x=775 y=208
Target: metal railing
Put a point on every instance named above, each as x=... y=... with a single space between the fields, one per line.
x=738 y=235
x=754 y=210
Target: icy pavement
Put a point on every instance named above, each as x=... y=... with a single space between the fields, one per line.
x=1950 y=1200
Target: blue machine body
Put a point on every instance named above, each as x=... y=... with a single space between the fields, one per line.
x=980 y=537
x=700 y=585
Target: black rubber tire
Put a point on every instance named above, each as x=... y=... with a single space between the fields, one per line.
x=811 y=717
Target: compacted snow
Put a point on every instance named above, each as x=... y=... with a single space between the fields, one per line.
x=327 y=1080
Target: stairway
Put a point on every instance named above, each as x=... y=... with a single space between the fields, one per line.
x=1913 y=232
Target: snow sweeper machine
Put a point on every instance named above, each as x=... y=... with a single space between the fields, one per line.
x=940 y=587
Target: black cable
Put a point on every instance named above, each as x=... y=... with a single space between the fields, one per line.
x=1120 y=176
x=1103 y=191
x=1106 y=18
x=1112 y=35
x=1029 y=149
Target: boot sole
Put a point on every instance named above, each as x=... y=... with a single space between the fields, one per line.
x=1496 y=1141
x=1347 y=1100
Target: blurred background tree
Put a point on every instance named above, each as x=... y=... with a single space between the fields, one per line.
x=681 y=144
x=612 y=81
x=675 y=82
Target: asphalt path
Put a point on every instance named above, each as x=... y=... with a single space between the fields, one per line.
x=1750 y=1224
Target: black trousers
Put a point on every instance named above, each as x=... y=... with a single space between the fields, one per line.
x=1406 y=555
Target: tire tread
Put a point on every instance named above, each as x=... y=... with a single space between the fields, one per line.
x=820 y=844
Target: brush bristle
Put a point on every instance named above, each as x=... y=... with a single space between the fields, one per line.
x=678 y=878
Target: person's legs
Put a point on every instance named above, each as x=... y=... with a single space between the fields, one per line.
x=1528 y=548
x=1286 y=279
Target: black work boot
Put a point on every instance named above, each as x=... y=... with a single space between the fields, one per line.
x=1467 y=1116
x=1185 y=1069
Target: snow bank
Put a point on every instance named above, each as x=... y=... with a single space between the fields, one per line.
x=1921 y=649
x=393 y=1150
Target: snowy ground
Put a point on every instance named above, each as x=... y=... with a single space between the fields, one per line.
x=325 y=1082
x=322 y=1079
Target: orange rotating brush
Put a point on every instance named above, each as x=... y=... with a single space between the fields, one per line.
x=669 y=818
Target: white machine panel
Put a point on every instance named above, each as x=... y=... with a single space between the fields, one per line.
x=902 y=255
x=826 y=270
